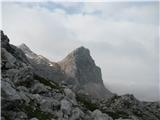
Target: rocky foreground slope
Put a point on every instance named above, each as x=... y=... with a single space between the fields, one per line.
x=34 y=88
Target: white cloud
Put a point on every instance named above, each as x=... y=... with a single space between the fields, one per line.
x=121 y=38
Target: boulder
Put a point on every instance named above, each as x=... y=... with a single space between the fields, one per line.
x=66 y=107
x=40 y=88
x=34 y=118
x=71 y=95
x=77 y=114
x=8 y=90
x=98 y=115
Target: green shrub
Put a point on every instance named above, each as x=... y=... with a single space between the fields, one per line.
x=86 y=102
x=48 y=83
x=33 y=110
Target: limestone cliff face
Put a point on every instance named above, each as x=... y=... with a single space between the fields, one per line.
x=82 y=71
x=80 y=65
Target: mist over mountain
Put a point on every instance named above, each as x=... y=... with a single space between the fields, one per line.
x=35 y=88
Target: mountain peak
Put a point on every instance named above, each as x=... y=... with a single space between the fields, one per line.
x=81 y=48
x=81 y=51
x=79 y=55
x=79 y=66
x=4 y=37
x=28 y=52
x=24 y=47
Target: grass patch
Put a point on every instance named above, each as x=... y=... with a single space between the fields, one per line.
x=24 y=83
x=137 y=112
x=86 y=102
x=48 y=83
x=34 y=111
x=116 y=114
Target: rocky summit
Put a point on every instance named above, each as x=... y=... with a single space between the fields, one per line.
x=78 y=70
x=35 y=88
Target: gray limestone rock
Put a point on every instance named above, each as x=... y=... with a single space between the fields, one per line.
x=34 y=118
x=82 y=72
x=71 y=95
x=66 y=107
x=98 y=115
x=9 y=91
x=77 y=114
x=40 y=88
x=8 y=58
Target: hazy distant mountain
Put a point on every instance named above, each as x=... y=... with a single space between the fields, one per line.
x=42 y=66
x=78 y=70
x=81 y=70
x=34 y=88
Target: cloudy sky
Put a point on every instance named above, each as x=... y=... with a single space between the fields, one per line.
x=122 y=38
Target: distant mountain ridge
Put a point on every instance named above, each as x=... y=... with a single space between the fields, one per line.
x=42 y=66
x=77 y=69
